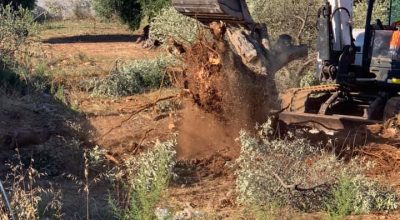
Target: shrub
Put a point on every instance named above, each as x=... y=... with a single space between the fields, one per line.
x=263 y=165
x=55 y=8
x=164 y=27
x=104 y=9
x=293 y=172
x=395 y=11
x=14 y=29
x=308 y=79
x=145 y=178
x=358 y=195
x=130 y=12
x=29 y=4
x=127 y=11
x=371 y=196
x=151 y=8
x=133 y=78
x=342 y=201
x=81 y=9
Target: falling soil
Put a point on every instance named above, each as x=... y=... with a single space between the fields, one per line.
x=227 y=97
x=202 y=134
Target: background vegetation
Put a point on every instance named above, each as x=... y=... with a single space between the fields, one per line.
x=130 y=12
x=30 y=4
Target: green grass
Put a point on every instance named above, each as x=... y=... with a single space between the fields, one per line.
x=343 y=198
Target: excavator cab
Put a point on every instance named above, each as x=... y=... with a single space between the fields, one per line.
x=363 y=66
x=207 y=11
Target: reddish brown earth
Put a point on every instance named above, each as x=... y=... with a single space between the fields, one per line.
x=202 y=135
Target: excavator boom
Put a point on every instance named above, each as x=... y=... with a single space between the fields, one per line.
x=206 y=11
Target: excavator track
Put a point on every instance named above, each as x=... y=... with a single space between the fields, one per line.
x=294 y=100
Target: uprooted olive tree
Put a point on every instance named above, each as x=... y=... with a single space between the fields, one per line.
x=229 y=69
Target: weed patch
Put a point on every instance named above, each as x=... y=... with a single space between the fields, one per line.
x=144 y=179
x=133 y=78
x=15 y=51
x=342 y=201
x=15 y=27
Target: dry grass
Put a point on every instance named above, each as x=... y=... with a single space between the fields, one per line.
x=26 y=197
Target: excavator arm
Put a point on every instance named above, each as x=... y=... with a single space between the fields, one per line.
x=249 y=39
x=207 y=11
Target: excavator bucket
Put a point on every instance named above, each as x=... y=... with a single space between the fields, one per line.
x=206 y=11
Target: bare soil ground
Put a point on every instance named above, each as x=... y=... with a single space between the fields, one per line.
x=82 y=50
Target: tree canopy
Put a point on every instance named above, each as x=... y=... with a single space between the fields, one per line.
x=130 y=12
x=16 y=3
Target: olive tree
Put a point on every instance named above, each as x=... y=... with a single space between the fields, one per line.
x=130 y=12
x=30 y=4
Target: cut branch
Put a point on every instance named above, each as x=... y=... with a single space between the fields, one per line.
x=304 y=22
x=305 y=65
x=297 y=187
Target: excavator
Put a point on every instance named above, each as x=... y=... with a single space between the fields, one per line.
x=358 y=69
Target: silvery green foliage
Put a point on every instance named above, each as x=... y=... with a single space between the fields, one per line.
x=295 y=161
x=153 y=167
x=133 y=78
x=308 y=79
x=371 y=196
x=261 y=158
x=287 y=16
x=145 y=178
x=15 y=27
x=170 y=24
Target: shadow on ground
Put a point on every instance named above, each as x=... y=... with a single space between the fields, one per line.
x=37 y=129
x=113 y=38
x=39 y=125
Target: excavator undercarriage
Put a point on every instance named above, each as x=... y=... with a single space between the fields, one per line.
x=326 y=108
